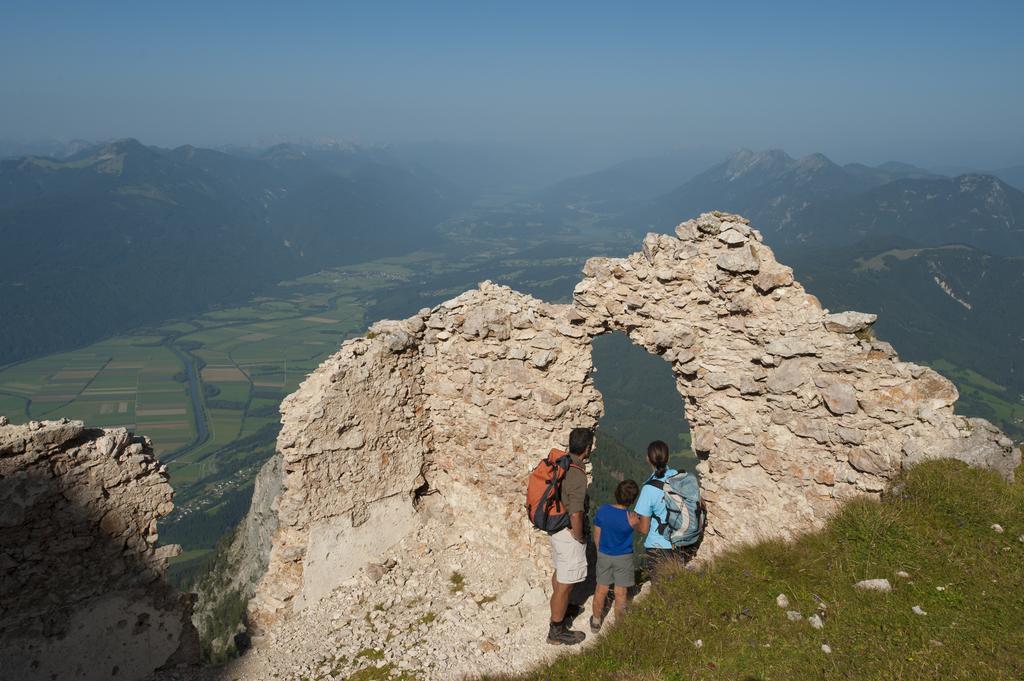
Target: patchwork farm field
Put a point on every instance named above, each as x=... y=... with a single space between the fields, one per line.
x=124 y=381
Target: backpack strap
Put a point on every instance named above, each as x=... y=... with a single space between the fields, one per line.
x=659 y=485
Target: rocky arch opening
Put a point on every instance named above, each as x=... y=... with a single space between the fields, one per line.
x=641 y=404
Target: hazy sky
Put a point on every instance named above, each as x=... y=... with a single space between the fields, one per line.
x=929 y=82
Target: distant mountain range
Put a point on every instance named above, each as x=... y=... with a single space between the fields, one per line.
x=113 y=236
x=120 y=234
x=796 y=203
x=814 y=201
x=771 y=188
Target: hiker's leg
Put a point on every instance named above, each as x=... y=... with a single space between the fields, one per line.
x=600 y=600
x=570 y=562
x=621 y=594
x=559 y=600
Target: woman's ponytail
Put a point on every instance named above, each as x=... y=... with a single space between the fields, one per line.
x=657 y=455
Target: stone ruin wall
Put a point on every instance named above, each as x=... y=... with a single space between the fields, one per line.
x=82 y=594
x=448 y=409
x=792 y=409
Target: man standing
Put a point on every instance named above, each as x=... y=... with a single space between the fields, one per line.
x=569 y=546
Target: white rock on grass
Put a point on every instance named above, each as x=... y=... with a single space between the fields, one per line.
x=698 y=643
x=825 y=648
x=815 y=621
x=794 y=616
x=997 y=528
x=782 y=601
x=882 y=585
x=902 y=574
x=918 y=611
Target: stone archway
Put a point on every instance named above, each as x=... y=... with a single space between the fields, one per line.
x=792 y=409
x=424 y=430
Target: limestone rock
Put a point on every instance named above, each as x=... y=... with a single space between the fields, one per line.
x=770 y=278
x=739 y=261
x=786 y=378
x=790 y=347
x=882 y=585
x=849 y=322
x=870 y=461
x=732 y=237
x=979 y=443
x=840 y=398
x=78 y=514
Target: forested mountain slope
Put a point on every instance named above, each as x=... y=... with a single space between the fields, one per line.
x=122 y=234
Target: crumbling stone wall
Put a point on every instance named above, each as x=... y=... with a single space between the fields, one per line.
x=792 y=409
x=451 y=407
x=82 y=594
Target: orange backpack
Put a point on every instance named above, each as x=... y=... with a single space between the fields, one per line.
x=544 y=492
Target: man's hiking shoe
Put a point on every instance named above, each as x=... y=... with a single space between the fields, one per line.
x=561 y=635
x=595 y=624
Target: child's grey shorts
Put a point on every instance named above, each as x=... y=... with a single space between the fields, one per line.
x=617 y=570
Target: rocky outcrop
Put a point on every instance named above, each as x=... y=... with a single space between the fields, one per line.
x=230 y=581
x=83 y=594
x=405 y=454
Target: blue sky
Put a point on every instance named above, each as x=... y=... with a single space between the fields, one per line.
x=936 y=83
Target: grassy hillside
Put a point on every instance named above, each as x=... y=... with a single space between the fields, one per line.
x=936 y=525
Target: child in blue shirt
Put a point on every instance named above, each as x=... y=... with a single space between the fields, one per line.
x=613 y=534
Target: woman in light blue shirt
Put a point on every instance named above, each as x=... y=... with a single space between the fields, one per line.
x=650 y=507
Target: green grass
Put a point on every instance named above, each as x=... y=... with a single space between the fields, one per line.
x=370 y=654
x=936 y=527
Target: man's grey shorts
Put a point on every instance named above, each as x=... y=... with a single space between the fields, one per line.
x=617 y=570
x=569 y=557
